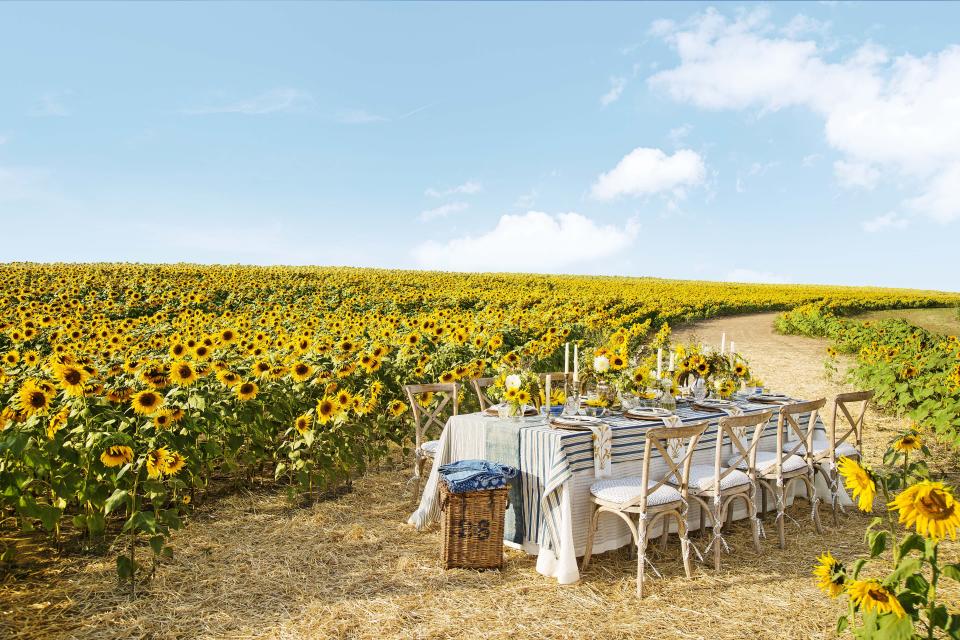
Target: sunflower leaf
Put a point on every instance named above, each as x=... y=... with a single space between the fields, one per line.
x=951 y=570
x=878 y=542
x=118 y=497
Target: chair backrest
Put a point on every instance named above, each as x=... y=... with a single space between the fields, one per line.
x=425 y=417
x=480 y=385
x=678 y=471
x=790 y=423
x=735 y=430
x=846 y=405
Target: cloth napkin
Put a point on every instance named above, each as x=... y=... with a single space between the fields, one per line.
x=602 y=450
x=674 y=445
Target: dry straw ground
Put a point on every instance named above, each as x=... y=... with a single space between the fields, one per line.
x=350 y=568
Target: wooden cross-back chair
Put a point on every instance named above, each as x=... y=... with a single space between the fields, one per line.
x=426 y=417
x=480 y=386
x=844 y=439
x=718 y=486
x=650 y=500
x=790 y=463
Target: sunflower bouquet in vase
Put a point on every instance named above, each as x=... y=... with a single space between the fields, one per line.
x=516 y=391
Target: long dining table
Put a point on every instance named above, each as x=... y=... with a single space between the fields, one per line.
x=549 y=508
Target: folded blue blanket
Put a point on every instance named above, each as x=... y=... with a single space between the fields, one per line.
x=475 y=475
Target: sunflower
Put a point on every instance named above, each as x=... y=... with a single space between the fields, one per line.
x=617 y=362
x=262 y=368
x=182 y=374
x=11 y=357
x=301 y=372
x=344 y=399
x=146 y=403
x=523 y=396
x=173 y=462
x=858 y=480
x=930 y=507
x=178 y=350
x=830 y=575
x=302 y=423
x=162 y=419
x=397 y=408
x=870 y=595
x=247 y=391
x=703 y=367
x=909 y=372
x=325 y=409
x=33 y=399
x=639 y=377
x=116 y=455
x=228 y=378
x=907 y=442
x=157 y=462
x=57 y=422
x=740 y=370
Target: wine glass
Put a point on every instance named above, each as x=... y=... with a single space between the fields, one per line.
x=700 y=390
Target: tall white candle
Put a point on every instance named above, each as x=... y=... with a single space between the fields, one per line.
x=673 y=362
x=659 y=363
x=723 y=342
x=566 y=358
x=547 y=398
x=576 y=363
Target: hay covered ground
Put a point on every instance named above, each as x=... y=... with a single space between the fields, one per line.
x=252 y=566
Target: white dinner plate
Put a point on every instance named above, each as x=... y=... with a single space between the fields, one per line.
x=648 y=413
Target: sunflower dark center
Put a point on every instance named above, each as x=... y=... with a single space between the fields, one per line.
x=935 y=506
x=148 y=400
x=38 y=400
x=879 y=595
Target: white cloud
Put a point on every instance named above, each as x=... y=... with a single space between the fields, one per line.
x=3 y=139
x=617 y=84
x=469 y=187
x=810 y=160
x=359 y=116
x=940 y=199
x=749 y=275
x=884 y=113
x=856 y=174
x=801 y=24
x=644 y=171
x=886 y=221
x=272 y=101
x=533 y=242
x=442 y=211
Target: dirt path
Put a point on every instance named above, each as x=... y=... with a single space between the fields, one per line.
x=253 y=567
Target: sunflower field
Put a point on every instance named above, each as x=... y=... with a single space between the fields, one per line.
x=127 y=390
x=914 y=371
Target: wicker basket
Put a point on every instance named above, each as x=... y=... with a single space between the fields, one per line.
x=473 y=528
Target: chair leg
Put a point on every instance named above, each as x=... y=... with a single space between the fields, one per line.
x=664 y=533
x=781 y=511
x=763 y=500
x=814 y=503
x=717 y=528
x=703 y=521
x=641 y=554
x=685 y=546
x=754 y=524
x=591 y=532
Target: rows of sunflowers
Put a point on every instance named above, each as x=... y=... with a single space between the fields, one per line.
x=126 y=390
x=914 y=371
x=892 y=592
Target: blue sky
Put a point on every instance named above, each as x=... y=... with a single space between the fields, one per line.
x=790 y=142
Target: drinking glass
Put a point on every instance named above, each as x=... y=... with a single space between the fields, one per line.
x=572 y=406
x=700 y=390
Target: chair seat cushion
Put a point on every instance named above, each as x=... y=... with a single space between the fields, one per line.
x=702 y=478
x=767 y=462
x=429 y=448
x=626 y=489
x=821 y=447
